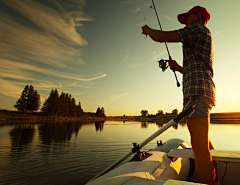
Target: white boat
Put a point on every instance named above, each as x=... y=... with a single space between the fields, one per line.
x=169 y=163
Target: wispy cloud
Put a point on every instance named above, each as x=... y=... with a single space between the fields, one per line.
x=137 y=9
x=11 y=89
x=153 y=57
x=219 y=32
x=167 y=17
x=22 y=70
x=132 y=6
x=115 y=97
x=125 y=2
x=41 y=44
x=41 y=33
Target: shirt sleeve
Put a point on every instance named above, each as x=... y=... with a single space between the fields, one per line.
x=189 y=34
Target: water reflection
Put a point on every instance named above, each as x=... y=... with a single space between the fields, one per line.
x=58 y=132
x=144 y=124
x=22 y=135
x=99 y=125
x=48 y=150
x=63 y=131
x=160 y=123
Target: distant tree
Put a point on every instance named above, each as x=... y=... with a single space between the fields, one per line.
x=51 y=106
x=103 y=112
x=69 y=100
x=144 y=113
x=151 y=115
x=98 y=112
x=66 y=103
x=21 y=104
x=175 y=111
x=55 y=102
x=47 y=107
x=29 y=100
x=62 y=104
x=33 y=102
x=73 y=107
x=160 y=112
x=79 y=110
x=36 y=101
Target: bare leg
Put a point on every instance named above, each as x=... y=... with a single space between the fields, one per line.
x=199 y=128
x=214 y=162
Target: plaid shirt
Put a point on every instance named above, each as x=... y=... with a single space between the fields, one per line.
x=198 y=61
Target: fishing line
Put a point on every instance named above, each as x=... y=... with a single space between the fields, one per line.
x=144 y=11
x=153 y=7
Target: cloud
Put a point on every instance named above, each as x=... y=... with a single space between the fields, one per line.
x=153 y=57
x=167 y=17
x=113 y=98
x=41 y=44
x=41 y=33
x=132 y=6
x=125 y=2
x=136 y=10
x=157 y=56
x=20 y=70
x=219 y=32
x=11 y=89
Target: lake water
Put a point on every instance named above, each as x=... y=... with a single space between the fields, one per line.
x=74 y=152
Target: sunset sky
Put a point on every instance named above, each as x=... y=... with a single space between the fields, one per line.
x=95 y=51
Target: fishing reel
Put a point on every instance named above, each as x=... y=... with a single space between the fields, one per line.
x=163 y=64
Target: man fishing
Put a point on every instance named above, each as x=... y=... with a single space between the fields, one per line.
x=198 y=85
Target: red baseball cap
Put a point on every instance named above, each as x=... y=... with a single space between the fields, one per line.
x=203 y=11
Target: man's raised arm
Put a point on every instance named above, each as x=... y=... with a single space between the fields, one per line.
x=161 y=36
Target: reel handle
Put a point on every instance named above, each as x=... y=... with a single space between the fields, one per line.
x=162 y=65
x=173 y=69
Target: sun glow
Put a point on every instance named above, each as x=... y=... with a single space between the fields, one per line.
x=234 y=96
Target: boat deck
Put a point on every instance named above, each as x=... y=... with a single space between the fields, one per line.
x=217 y=155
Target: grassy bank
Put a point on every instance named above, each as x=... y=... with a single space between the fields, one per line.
x=229 y=117
x=139 y=118
x=15 y=116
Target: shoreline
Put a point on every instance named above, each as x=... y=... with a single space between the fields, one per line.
x=37 y=117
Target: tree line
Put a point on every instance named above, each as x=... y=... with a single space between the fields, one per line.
x=29 y=100
x=63 y=105
x=144 y=113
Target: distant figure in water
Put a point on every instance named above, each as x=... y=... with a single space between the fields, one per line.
x=198 y=86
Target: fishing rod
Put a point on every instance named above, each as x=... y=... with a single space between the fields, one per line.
x=162 y=62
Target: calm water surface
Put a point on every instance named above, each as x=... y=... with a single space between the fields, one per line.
x=74 y=152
